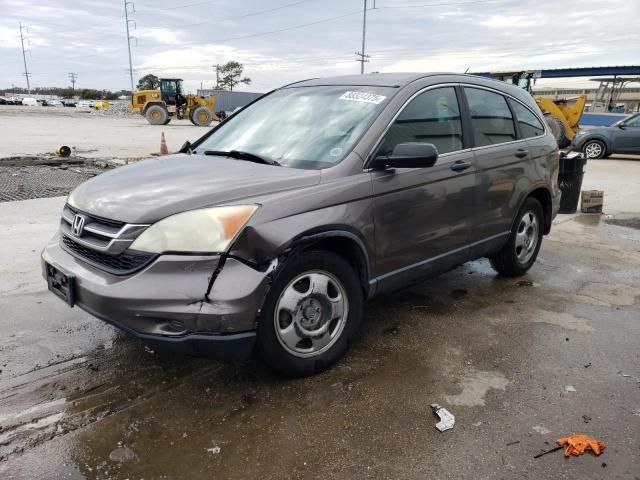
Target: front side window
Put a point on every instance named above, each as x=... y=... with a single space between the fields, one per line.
x=633 y=121
x=530 y=125
x=491 y=119
x=302 y=127
x=431 y=117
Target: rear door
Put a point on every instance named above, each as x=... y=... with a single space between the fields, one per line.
x=502 y=162
x=423 y=216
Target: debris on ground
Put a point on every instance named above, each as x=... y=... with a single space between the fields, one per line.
x=149 y=350
x=541 y=430
x=578 y=444
x=544 y=452
x=447 y=420
x=524 y=283
x=214 y=450
x=586 y=418
x=513 y=443
x=570 y=388
x=63 y=151
x=587 y=365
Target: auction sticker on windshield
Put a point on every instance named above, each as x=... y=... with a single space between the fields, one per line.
x=363 y=97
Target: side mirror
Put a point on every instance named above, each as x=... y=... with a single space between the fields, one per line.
x=185 y=148
x=409 y=155
x=622 y=126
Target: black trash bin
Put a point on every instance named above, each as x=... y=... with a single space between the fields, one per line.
x=570 y=181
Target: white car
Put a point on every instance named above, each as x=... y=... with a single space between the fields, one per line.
x=30 y=102
x=55 y=103
x=84 y=104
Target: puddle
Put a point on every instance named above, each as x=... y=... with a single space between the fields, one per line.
x=563 y=320
x=608 y=294
x=475 y=386
x=633 y=222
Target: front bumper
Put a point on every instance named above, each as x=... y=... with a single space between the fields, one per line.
x=165 y=304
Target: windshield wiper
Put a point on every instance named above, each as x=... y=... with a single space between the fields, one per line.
x=251 y=157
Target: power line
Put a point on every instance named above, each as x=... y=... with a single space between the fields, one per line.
x=149 y=7
x=24 y=58
x=245 y=15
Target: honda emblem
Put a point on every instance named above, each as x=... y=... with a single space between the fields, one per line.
x=78 y=225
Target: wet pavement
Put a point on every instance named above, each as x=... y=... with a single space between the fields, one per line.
x=78 y=399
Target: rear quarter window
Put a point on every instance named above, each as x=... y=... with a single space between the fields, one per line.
x=530 y=125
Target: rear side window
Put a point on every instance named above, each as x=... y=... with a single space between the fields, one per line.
x=530 y=125
x=431 y=117
x=491 y=119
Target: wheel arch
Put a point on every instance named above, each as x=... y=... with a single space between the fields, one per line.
x=601 y=138
x=340 y=241
x=543 y=195
x=150 y=104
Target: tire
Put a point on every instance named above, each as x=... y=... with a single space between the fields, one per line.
x=156 y=115
x=558 y=130
x=304 y=295
x=201 y=116
x=521 y=250
x=594 y=149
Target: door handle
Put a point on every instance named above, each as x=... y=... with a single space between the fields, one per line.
x=521 y=153
x=460 y=166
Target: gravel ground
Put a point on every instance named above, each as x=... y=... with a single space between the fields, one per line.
x=23 y=183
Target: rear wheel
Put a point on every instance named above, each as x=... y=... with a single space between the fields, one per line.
x=201 y=116
x=521 y=250
x=594 y=149
x=157 y=115
x=310 y=315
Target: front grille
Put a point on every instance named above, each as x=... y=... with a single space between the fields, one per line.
x=121 y=264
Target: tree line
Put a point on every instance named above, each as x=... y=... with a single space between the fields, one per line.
x=67 y=92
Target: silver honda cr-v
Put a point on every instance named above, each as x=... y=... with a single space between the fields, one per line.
x=272 y=229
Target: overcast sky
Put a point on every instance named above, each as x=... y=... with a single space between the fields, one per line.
x=280 y=41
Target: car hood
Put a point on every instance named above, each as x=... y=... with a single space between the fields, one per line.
x=147 y=191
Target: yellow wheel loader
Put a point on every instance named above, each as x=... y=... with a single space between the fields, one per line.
x=158 y=106
x=562 y=115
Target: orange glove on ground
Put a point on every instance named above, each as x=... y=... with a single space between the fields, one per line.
x=578 y=444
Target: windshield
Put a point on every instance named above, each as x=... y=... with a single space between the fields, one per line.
x=304 y=127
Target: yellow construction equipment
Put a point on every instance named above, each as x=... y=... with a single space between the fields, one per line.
x=562 y=115
x=158 y=106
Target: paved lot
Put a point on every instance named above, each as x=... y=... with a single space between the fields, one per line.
x=94 y=134
x=79 y=399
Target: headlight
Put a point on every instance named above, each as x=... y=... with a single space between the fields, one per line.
x=205 y=230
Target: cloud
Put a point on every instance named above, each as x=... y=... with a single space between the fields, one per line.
x=186 y=37
x=510 y=21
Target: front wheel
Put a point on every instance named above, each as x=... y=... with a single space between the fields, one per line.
x=201 y=116
x=521 y=250
x=157 y=115
x=310 y=315
x=594 y=149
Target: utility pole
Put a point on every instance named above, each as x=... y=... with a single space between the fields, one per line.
x=217 y=67
x=129 y=37
x=72 y=77
x=24 y=58
x=363 y=57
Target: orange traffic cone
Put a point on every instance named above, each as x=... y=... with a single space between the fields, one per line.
x=163 y=146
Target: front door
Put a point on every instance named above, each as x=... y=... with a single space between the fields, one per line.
x=627 y=138
x=423 y=216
